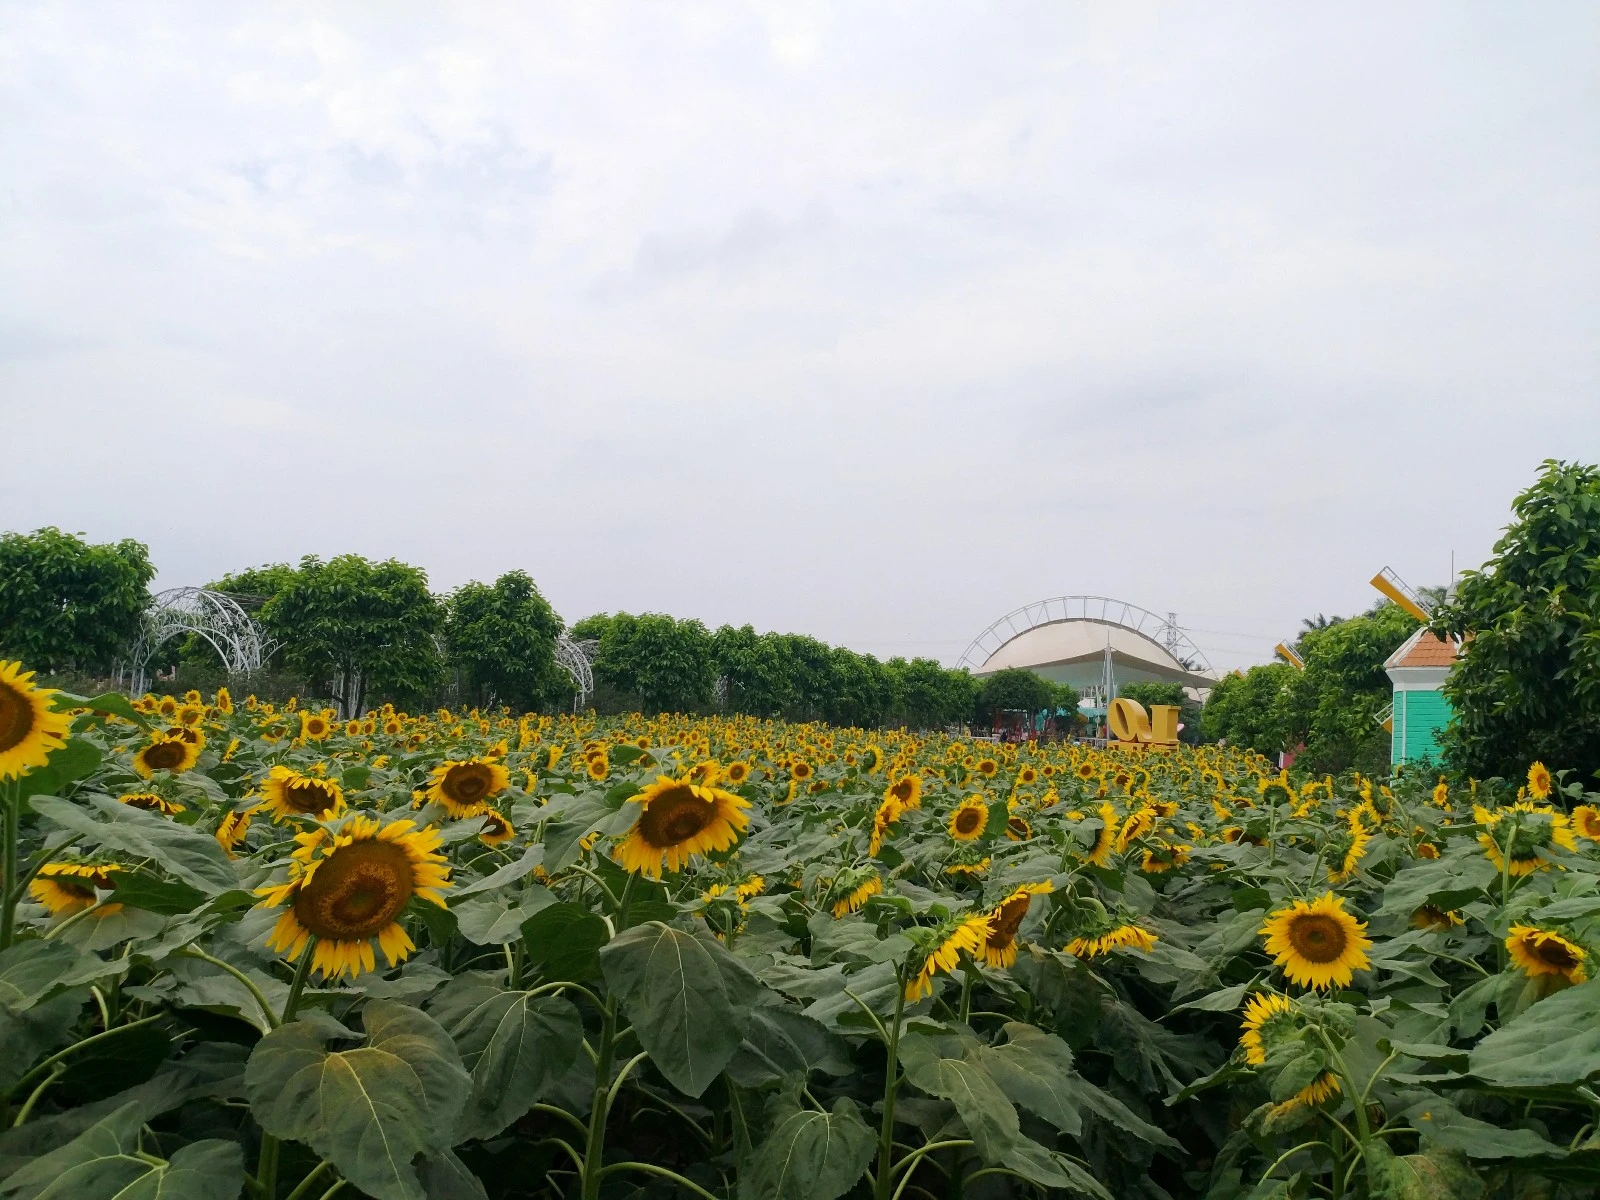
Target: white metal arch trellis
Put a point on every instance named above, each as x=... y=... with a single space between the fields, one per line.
x=238 y=640
x=576 y=658
x=1162 y=630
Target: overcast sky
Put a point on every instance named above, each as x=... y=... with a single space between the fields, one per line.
x=868 y=321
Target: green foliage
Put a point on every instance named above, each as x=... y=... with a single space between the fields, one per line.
x=1149 y=694
x=924 y=695
x=1331 y=705
x=502 y=639
x=1248 y=710
x=370 y=1110
x=665 y=664
x=1528 y=686
x=365 y=628
x=1014 y=689
x=66 y=604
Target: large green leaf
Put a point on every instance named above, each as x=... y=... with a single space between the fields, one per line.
x=1436 y=1175
x=104 y=1163
x=1555 y=1042
x=191 y=855
x=810 y=1155
x=783 y=1041
x=27 y=1035
x=984 y=1109
x=446 y=1177
x=1445 y=883
x=30 y=971
x=516 y=1045
x=370 y=1111
x=76 y=759
x=498 y=920
x=1442 y=1123
x=1034 y=1069
x=563 y=941
x=688 y=998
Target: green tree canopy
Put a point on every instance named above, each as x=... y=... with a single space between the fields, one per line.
x=1014 y=689
x=1528 y=686
x=363 y=628
x=69 y=605
x=665 y=664
x=1247 y=710
x=502 y=641
x=1331 y=706
x=925 y=695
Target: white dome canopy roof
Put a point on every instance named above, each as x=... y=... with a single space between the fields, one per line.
x=1065 y=640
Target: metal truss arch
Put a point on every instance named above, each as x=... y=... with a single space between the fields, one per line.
x=576 y=658
x=215 y=616
x=1163 y=630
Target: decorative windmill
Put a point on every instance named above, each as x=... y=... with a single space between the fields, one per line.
x=1417 y=670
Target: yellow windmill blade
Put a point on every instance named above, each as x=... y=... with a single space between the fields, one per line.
x=1396 y=589
x=1289 y=656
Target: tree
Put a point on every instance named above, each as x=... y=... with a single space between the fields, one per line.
x=1528 y=686
x=1148 y=694
x=1013 y=689
x=754 y=669
x=665 y=664
x=860 y=695
x=1247 y=710
x=69 y=605
x=361 y=627
x=502 y=641
x=1331 y=705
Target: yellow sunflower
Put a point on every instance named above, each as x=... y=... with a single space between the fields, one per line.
x=1100 y=853
x=597 y=767
x=286 y=794
x=969 y=937
x=1538 y=781
x=888 y=813
x=969 y=819
x=1431 y=916
x=906 y=791
x=1139 y=823
x=349 y=887
x=1543 y=952
x=1265 y=1017
x=872 y=760
x=1354 y=848
x=496 y=829
x=1586 y=820
x=314 y=727
x=987 y=767
x=1000 y=949
x=969 y=869
x=68 y=887
x=465 y=786
x=166 y=752
x=860 y=892
x=1017 y=828
x=1126 y=936
x=30 y=728
x=1318 y=945
x=151 y=802
x=1537 y=828
x=224 y=700
x=678 y=820
x=231 y=830
x=1164 y=856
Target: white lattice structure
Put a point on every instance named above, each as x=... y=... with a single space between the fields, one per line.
x=1093 y=643
x=238 y=640
x=576 y=658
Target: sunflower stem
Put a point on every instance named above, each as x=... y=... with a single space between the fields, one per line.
x=891 y=1084
x=267 y=1163
x=594 y=1149
x=11 y=802
x=56 y=1072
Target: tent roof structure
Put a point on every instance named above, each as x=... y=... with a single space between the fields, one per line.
x=1065 y=639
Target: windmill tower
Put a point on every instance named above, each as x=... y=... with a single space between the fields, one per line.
x=1418 y=670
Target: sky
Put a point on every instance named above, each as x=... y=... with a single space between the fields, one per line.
x=872 y=321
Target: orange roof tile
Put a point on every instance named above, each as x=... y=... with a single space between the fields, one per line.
x=1429 y=651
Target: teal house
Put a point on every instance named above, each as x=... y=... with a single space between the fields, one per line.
x=1418 y=670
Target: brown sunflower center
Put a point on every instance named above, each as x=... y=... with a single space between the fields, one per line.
x=308 y=796
x=356 y=892
x=1554 y=954
x=467 y=783
x=16 y=717
x=967 y=820
x=674 y=817
x=1317 y=938
x=164 y=755
x=1005 y=926
x=901 y=791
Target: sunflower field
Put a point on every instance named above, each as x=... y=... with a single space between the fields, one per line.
x=256 y=951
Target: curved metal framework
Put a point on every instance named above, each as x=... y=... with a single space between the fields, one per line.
x=576 y=658
x=1163 y=631
x=215 y=616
